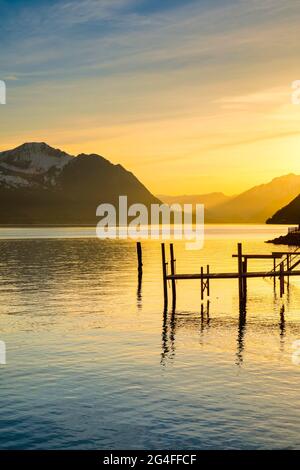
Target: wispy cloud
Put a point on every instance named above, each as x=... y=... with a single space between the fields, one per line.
x=180 y=78
x=270 y=95
x=62 y=38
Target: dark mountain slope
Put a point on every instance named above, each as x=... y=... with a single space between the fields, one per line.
x=42 y=185
x=289 y=214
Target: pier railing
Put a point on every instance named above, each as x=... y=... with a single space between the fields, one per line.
x=288 y=261
x=285 y=268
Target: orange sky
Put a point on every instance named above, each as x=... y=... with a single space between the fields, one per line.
x=191 y=99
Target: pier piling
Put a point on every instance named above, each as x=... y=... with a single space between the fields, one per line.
x=172 y=265
x=240 y=272
x=244 y=278
x=139 y=257
x=281 y=279
x=164 y=269
x=207 y=281
x=202 y=284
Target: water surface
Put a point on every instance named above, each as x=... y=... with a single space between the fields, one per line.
x=93 y=362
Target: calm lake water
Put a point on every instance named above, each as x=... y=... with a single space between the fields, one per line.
x=93 y=363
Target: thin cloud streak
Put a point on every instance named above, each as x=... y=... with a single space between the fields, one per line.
x=154 y=85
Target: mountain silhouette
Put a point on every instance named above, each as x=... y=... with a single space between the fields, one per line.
x=289 y=214
x=209 y=200
x=43 y=185
x=257 y=204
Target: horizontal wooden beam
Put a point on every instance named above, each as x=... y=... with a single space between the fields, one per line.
x=285 y=253
x=231 y=275
x=272 y=256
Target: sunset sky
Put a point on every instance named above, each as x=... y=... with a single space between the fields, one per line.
x=192 y=96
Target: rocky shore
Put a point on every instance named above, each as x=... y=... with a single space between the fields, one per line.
x=292 y=238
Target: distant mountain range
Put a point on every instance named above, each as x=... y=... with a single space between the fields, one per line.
x=43 y=185
x=209 y=200
x=255 y=205
x=40 y=184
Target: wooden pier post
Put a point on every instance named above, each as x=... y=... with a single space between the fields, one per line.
x=274 y=269
x=207 y=281
x=241 y=275
x=172 y=261
x=164 y=269
x=139 y=257
x=281 y=279
x=240 y=272
x=245 y=278
x=202 y=313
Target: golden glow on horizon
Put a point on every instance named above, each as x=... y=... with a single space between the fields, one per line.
x=248 y=140
x=193 y=113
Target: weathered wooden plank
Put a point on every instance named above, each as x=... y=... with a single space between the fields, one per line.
x=294 y=265
x=271 y=256
x=285 y=253
x=231 y=275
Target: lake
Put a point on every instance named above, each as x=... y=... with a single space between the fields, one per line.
x=94 y=363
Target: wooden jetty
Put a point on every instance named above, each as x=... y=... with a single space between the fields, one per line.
x=288 y=261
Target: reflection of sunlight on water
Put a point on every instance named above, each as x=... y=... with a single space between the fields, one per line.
x=90 y=350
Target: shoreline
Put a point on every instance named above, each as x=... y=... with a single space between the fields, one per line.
x=46 y=225
x=290 y=239
x=92 y=225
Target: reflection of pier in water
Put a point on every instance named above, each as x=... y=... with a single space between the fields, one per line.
x=241 y=335
x=288 y=261
x=139 y=291
x=173 y=321
x=202 y=322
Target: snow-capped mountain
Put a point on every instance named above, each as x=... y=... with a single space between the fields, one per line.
x=32 y=164
x=40 y=184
